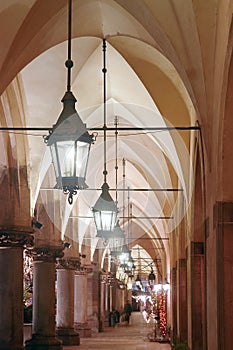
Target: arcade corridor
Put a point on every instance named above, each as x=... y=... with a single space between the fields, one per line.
x=116 y=163
x=132 y=337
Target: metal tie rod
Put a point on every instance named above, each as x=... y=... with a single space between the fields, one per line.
x=137 y=128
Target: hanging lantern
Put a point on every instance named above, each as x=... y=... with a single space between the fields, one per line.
x=124 y=257
x=69 y=140
x=105 y=213
x=151 y=278
x=70 y=144
x=116 y=240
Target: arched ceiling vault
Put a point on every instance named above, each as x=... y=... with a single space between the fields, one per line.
x=161 y=59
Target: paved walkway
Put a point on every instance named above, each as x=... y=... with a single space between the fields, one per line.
x=132 y=337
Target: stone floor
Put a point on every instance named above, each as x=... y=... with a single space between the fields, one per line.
x=123 y=337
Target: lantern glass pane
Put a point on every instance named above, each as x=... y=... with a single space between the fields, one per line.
x=55 y=160
x=66 y=155
x=108 y=220
x=97 y=218
x=70 y=158
x=106 y=217
x=81 y=158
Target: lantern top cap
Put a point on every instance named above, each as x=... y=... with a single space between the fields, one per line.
x=105 y=201
x=69 y=125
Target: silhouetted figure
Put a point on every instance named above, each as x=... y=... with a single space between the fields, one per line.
x=127 y=311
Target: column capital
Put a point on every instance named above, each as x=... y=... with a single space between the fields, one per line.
x=47 y=254
x=68 y=263
x=16 y=236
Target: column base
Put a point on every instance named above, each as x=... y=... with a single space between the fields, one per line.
x=40 y=342
x=83 y=330
x=68 y=336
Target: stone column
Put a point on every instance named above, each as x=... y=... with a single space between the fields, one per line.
x=65 y=301
x=224 y=231
x=102 y=300
x=43 y=327
x=182 y=325
x=12 y=243
x=111 y=307
x=107 y=297
x=174 y=301
x=197 y=294
x=106 y=308
x=93 y=301
x=80 y=305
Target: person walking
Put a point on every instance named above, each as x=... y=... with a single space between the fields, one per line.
x=127 y=311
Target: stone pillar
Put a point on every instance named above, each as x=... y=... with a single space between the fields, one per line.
x=111 y=307
x=107 y=303
x=182 y=325
x=174 y=301
x=65 y=301
x=106 y=297
x=102 y=300
x=12 y=243
x=93 y=301
x=118 y=299
x=224 y=228
x=197 y=294
x=43 y=327
x=80 y=304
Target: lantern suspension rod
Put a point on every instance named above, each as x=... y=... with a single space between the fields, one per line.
x=104 y=70
x=69 y=62
x=116 y=164
x=123 y=175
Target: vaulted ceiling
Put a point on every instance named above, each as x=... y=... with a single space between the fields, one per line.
x=161 y=59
